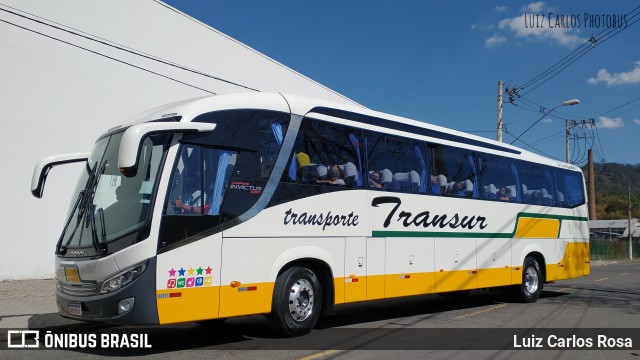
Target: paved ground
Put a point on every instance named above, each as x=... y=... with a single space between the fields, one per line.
x=20 y=300
x=608 y=298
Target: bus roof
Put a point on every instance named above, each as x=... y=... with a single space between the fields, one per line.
x=188 y=109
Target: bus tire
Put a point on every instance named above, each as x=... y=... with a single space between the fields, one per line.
x=531 y=287
x=297 y=299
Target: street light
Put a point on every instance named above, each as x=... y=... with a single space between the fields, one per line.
x=610 y=223
x=566 y=103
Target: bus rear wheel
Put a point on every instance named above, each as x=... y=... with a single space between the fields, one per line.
x=297 y=299
x=531 y=287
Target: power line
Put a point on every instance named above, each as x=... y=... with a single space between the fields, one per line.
x=531 y=147
x=548 y=138
x=128 y=50
x=579 y=52
x=618 y=107
x=107 y=56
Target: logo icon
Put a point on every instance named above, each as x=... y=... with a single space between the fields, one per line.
x=199 y=281
x=208 y=281
x=181 y=282
x=190 y=282
x=171 y=283
x=25 y=340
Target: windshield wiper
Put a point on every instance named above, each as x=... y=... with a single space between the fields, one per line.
x=82 y=207
x=61 y=250
x=99 y=246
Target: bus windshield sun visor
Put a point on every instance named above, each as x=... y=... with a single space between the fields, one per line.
x=128 y=156
x=43 y=167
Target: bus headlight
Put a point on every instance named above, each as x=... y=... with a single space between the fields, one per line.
x=122 y=279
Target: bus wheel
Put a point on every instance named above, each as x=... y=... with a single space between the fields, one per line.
x=297 y=298
x=531 y=287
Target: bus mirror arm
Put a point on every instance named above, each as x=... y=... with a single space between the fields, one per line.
x=43 y=167
x=129 y=153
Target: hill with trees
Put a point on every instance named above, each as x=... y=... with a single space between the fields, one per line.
x=612 y=183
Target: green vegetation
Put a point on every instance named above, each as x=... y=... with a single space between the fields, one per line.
x=612 y=190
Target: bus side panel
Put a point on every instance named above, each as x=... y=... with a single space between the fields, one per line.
x=251 y=265
x=573 y=250
x=355 y=269
x=188 y=281
x=455 y=264
x=409 y=266
x=376 y=255
x=494 y=262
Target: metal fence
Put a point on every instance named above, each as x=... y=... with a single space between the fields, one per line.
x=611 y=250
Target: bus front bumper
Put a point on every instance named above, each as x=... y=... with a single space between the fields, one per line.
x=135 y=303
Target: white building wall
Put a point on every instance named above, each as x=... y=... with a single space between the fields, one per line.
x=59 y=91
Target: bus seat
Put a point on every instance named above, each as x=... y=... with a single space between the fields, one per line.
x=406 y=182
x=511 y=191
x=321 y=170
x=468 y=187
x=547 y=198
x=490 y=191
x=441 y=182
x=302 y=159
x=386 y=176
x=350 y=171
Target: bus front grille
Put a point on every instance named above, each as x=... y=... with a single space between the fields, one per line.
x=84 y=289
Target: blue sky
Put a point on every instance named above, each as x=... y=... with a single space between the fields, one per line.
x=440 y=62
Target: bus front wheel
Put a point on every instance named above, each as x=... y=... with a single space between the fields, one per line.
x=297 y=298
x=531 y=287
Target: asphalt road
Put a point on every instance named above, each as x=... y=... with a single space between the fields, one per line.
x=485 y=324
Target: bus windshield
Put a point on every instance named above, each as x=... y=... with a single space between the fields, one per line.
x=110 y=209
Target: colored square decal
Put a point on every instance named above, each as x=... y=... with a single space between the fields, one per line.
x=191 y=281
x=171 y=283
x=181 y=282
x=199 y=281
x=208 y=281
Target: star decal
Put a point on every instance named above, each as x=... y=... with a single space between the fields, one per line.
x=199 y=270
x=208 y=270
x=181 y=272
x=172 y=273
x=190 y=271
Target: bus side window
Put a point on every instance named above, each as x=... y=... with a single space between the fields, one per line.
x=460 y=168
x=320 y=145
x=397 y=164
x=539 y=183
x=569 y=188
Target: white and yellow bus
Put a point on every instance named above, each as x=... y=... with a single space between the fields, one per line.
x=273 y=204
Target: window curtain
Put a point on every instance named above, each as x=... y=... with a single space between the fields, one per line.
x=223 y=164
x=423 y=173
x=356 y=145
x=475 y=175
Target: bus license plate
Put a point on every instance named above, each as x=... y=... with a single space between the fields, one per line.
x=74 y=309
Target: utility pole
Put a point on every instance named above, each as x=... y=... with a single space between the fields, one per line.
x=499 y=130
x=592 y=187
x=630 y=237
x=568 y=136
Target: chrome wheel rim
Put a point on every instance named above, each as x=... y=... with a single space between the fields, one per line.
x=301 y=299
x=531 y=280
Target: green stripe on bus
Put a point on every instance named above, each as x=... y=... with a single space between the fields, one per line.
x=444 y=234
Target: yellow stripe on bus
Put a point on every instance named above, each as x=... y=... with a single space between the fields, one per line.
x=187 y=304
x=537 y=228
x=192 y=304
